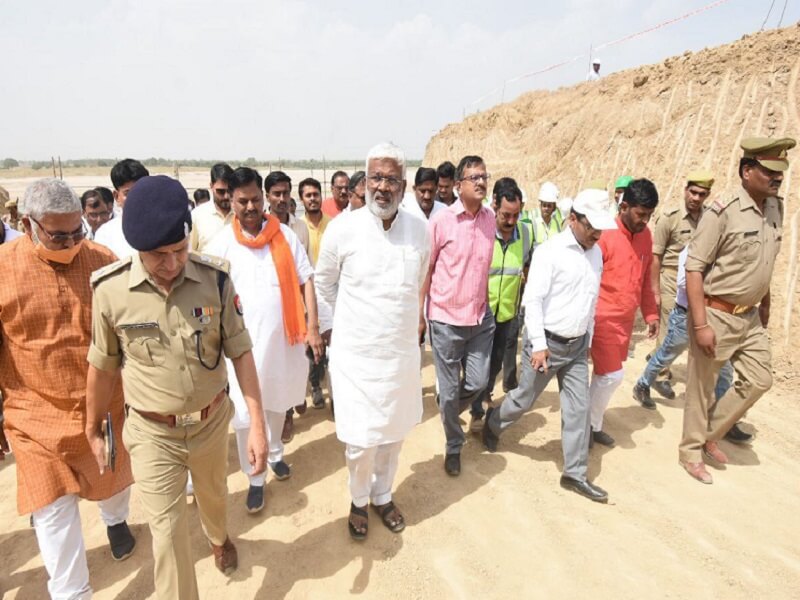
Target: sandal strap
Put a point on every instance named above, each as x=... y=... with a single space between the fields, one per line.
x=360 y=511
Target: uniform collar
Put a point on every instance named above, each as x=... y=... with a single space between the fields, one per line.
x=746 y=201
x=688 y=216
x=514 y=235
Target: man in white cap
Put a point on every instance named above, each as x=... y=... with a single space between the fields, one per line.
x=559 y=302
x=594 y=74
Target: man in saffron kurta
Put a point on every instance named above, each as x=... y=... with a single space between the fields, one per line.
x=45 y=313
x=270 y=271
x=624 y=287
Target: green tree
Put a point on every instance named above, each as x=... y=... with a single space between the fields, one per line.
x=10 y=163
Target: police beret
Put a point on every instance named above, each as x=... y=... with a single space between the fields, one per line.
x=704 y=179
x=769 y=152
x=156 y=213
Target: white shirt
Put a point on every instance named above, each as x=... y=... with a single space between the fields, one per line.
x=110 y=235
x=207 y=222
x=681 y=297
x=410 y=203
x=592 y=76
x=11 y=234
x=369 y=280
x=281 y=367
x=561 y=292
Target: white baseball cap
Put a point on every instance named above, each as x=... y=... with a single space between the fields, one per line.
x=595 y=206
x=548 y=192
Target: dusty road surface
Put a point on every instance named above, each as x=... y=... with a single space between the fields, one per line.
x=504 y=529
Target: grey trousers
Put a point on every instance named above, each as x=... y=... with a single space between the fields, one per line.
x=569 y=363
x=457 y=348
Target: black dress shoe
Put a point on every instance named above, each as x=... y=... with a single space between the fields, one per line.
x=664 y=388
x=602 y=438
x=452 y=464
x=121 y=540
x=641 y=393
x=487 y=435
x=737 y=436
x=585 y=489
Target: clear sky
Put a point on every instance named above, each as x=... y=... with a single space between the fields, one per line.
x=277 y=78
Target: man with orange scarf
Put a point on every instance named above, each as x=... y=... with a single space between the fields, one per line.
x=271 y=272
x=624 y=287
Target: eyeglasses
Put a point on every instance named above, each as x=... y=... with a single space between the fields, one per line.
x=393 y=182
x=62 y=238
x=477 y=177
x=222 y=191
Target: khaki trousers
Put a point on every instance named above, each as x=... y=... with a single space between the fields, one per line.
x=742 y=340
x=161 y=459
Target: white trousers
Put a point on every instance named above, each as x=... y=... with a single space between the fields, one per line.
x=601 y=390
x=372 y=472
x=274 y=422
x=58 y=532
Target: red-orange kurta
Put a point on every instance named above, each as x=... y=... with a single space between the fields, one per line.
x=45 y=314
x=624 y=287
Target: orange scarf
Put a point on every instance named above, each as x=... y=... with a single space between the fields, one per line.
x=294 y=321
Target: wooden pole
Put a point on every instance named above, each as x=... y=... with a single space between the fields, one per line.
x=53 y=162
x=60 y=170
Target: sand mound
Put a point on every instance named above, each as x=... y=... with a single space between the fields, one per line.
x=658 y=121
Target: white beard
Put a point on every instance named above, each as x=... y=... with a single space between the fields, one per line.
x=383 y=213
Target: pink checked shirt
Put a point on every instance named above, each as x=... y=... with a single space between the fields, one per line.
x=461 y=253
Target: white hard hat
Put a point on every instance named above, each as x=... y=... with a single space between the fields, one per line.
x=548 y=192
x=594 y=205
x=596 y=61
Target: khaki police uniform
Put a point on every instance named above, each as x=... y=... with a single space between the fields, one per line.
x=169 y=346
x=735 y=247
x=672 y=232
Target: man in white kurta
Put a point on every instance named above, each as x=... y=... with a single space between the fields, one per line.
x=370 y=269
x=281 y=366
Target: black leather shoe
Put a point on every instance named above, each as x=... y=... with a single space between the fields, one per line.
x=602 y=438
x=585 y=489
x=255 y=499
x=641 y=393
x=664 y=388
x=281 y=470
x=737 y=436
x=121 y=540
x=487 y=435
x=452 y=464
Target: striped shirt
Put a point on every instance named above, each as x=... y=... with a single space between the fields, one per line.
x=461 y=253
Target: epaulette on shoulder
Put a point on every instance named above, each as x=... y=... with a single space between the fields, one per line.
x=104 y=272
x=671 y=211
x=215 y=262
x=720 y=205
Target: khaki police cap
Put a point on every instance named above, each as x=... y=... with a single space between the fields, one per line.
x=768 y=152
x=703 y=179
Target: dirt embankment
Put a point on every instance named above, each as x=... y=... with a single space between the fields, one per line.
x=659 y=121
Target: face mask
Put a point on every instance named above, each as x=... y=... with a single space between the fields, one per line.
x=64 y=256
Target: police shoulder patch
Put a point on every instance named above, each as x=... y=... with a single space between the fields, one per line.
x=104 y=272
x=215 y=262
x=718 y=205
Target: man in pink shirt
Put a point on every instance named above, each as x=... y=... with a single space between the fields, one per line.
x=624 y=287
x=461 y=323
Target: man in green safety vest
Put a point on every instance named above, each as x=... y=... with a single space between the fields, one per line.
x=549 y=220
x=513 y=248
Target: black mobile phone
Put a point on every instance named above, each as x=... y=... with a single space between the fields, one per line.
x=108 y=438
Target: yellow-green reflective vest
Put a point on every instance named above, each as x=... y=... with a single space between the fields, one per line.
x=505 y=274
x=542 y=232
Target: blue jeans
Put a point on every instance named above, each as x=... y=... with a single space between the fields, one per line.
x=674 y=344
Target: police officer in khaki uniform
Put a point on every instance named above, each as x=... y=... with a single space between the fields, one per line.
x=728 y=272
x=165 y=316
x=672 y=231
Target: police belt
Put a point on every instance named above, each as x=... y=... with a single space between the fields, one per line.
x=728 y=307
x=187 y=419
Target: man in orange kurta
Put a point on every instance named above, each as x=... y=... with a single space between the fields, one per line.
x=45 y=316
x=624 y=287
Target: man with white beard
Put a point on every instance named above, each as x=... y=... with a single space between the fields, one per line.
x=371 y=267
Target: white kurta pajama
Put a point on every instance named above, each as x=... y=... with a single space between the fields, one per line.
x=369 y=280
x=281 y=367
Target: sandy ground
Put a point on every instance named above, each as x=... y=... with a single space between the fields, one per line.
x=504 y=529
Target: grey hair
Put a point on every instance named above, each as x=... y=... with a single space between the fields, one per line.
x=49 y=196
x=390 y=151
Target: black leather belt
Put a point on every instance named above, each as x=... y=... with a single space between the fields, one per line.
x=560 y=339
